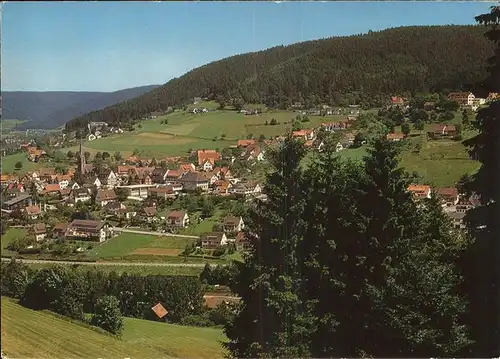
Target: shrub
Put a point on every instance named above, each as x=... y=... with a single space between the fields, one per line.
x=197 y=321
x=15 y=278
x=107 y=315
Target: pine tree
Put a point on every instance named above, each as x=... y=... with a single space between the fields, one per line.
x=483 y=281
x=271 y=322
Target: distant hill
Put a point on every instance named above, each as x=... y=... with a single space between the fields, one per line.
x=47 y=110
x=364 y=67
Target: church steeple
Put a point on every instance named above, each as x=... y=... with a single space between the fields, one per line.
x=82 y=158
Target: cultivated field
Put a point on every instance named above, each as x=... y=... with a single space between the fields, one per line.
x=129 y=244
x=31 y=334
x=8 y=125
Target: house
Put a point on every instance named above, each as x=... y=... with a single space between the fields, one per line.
x=39 y=231
x=253 y=153
x=457 y=219
x=148 y=214
x=187 y=167
x=242 y=242
x=233 y=224
x=63 y=180
x=159 y=175
x=213 y=240
x=17 y=203
x=123 y=171
x=211 y=155
x=462 y=98
x=211 y=177
x=207 y=165
x=104 y=196
x=126 y=212
x=81 y=195
x=397 y=101
x=172 y=175
x=223 y=173
x=33 y=212
x=464 y=204
x=194 y=180
x=113 y=207
x=51 y=188
x=222 y=187
x=442 y=131
x=108 y=179
x=339 y=147
x=59 y=230
x=334 y=126
x=420 y=191
x=162 y=192
x=348 y=139
x=245 y=188
x=395 y=137
x=46 y=173
x=84 y=229
x=245 y=143
x=448 y=195
x=307 y=134
x=179 y=219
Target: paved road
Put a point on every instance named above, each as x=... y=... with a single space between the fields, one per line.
x=144 y=264
x=126 y=230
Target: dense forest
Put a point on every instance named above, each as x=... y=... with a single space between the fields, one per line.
x=51 y=109
x=355 y=68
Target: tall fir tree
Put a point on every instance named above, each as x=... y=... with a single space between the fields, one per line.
x=481 y=263
x=272 y=320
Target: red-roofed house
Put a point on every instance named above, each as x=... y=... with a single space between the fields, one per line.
x=395 y=136
x=33 y=211
x=307 y=134
x=207 y=159
x=245 y=143
x=420 y=191
x=449 y=195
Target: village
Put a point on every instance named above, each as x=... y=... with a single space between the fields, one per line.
x=138 y=192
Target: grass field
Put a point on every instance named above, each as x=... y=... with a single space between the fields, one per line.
x=9 y=236
x=186 y=131
x=140 y=244
x=9 y=162
x=31 y=334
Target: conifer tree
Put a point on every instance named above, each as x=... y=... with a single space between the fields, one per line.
x=483 y=279
x=271 y=322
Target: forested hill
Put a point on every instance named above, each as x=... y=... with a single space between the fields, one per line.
x=397 y=60
x=52 y=109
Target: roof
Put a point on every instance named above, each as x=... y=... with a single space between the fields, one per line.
x=39 y=228
x=394 y=136
x=397 y=99
x=419 y=189
x=194 y=177
x=438 y=128
x=447 y=192
x=47 y=171
x=187 y=167
x=214 y=236
x=232 y=221
x=61 y=226
x=176 y=214
x=245 y=143
x=159 y=310
x=31 y=210
x=459 y=94
x=300 y=133
x=124 y=169
x=150 y=211
x=211 y=155
x=86 y=225
x=168 y=190
x=173 y=174
x=17 y=199
x=105 y=195
x=52 y=187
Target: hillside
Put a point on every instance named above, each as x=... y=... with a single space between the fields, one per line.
x=359 y=68
x=52 y=109
x=31 y=334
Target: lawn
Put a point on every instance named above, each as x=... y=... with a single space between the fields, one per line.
x=140 y=244
x=34 y=334
x=9 y=236
x=9 y=162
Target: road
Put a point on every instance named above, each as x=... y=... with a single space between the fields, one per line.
x=160 y=234
x=144 y=264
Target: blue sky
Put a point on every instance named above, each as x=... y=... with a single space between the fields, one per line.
x=106 y=46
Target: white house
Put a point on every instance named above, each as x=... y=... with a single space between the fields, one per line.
x=178 y=219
